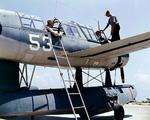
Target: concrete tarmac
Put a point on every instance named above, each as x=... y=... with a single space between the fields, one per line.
x=133 y=112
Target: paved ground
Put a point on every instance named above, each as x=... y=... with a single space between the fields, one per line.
x=133 y=112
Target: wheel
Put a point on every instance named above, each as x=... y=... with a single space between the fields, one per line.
x=119 y=112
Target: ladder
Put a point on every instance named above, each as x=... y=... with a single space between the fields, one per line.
x=69 y=94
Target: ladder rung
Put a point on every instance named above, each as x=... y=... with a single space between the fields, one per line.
x=74 y=93
x=80 y=107
x=57 y=47
x=61 y=57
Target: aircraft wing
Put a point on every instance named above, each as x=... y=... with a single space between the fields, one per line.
x=116 y=48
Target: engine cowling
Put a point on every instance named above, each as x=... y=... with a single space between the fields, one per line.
x=120 y=62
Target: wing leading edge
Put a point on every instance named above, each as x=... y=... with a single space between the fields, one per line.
x=116 y=48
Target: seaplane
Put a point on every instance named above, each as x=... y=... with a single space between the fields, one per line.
x=25 y=40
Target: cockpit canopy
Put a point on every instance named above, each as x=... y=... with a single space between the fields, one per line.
x=70 y=29
x=75 y=30
x=79 y=31
x=30 y=21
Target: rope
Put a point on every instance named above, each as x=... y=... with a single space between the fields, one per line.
x=55 y=13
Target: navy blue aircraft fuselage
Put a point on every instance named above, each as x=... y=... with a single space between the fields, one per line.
x=24 y=39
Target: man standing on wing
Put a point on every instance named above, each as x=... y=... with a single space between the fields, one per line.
x=115 y=27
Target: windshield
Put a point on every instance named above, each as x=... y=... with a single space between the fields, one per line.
x=71 y=30
x=89 y=33
x=92 y=34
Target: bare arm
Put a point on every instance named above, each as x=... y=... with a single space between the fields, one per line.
x=54 y=32
x=106 y=26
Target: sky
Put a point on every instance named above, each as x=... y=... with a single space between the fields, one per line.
x=132 y=15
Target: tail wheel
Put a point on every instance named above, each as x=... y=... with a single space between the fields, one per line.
x=119 y=112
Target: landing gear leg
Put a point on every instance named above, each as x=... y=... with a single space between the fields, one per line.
x=78 y=77
x=108 y=82
x=119 y=112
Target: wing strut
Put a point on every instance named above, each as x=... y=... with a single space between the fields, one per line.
x=108 y=82
x=122 y=75
x=78 y=77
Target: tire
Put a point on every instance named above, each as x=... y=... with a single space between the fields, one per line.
x=119 y=112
